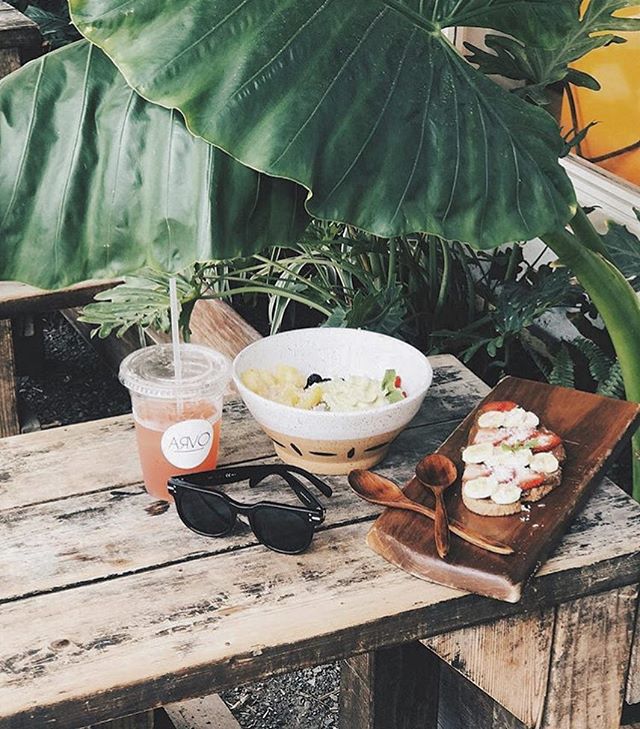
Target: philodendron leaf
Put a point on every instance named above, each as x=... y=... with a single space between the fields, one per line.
x=95 y=181
x=364 y=103
x=624 y=249
x=545 y=62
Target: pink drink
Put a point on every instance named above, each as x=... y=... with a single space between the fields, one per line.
x=177 y=428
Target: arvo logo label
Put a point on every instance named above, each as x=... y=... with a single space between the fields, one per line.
x=187 y=444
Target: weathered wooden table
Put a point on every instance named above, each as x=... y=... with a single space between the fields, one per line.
x=109 y=606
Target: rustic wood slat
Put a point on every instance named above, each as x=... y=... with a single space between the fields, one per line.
x=9 y=424
x=209 y=712
x=17 y=298
x=206 y=623
x=633 y=680
x=464 y=706
x=508 y=659
x=16 y=30
x=392 y=688
x=147 y=536
x=216 y=324
x=589 y=661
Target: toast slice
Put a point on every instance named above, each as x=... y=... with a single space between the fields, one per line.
x=510 y=459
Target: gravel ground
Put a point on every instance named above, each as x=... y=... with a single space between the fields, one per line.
x=74 y=386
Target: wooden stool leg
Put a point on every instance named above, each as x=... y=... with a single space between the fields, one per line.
x=590 y=659
x=8 y=407
x=391 y=688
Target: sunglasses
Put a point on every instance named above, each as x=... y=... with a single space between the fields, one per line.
x=280 y=527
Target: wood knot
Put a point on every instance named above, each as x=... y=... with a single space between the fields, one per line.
x=60 y=644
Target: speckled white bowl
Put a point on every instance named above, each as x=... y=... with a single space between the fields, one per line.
x=334 y=442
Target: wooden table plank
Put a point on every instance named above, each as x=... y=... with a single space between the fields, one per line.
x=104 y=455
x=41 y=550
x=200 y=625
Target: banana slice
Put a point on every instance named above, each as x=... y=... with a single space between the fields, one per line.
x=477 y=453
x=507 y=457
x=480 y=488
x=544 y=463
x=515 y=418
x=491 y=419
x=507 y=493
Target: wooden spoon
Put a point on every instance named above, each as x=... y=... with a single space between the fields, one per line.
x=437 y=473
x=378 y=490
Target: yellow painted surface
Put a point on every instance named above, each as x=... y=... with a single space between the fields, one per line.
x=616 y=106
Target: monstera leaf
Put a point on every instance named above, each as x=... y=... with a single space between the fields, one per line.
x=365 y=103
x=95 y=181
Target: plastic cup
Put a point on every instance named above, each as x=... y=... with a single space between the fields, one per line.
x=177 y=424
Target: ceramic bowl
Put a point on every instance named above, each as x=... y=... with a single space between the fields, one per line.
x=334 y=442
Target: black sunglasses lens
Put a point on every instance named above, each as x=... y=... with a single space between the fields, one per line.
x=207 y=513
x=283 y=530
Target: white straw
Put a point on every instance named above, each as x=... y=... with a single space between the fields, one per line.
x=175 y=339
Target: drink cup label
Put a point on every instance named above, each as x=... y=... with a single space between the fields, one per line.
x=187 y=444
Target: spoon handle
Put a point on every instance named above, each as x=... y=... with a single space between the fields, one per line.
x=441 y=529
x=469 y=536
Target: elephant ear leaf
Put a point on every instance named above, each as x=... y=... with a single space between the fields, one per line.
x=96 y=182
x=366 y=104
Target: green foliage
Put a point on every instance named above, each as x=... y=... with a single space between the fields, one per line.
x=142 y=301
x=95 y=181
x=605 y=370
x=305 y=93
x=346 y=277
x=624 y=248
x=541 y=66
x=562 y=372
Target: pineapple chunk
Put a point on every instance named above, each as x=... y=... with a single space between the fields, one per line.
x=310 y=397
x=255 y=381
x=288 y=375
x=285 y=394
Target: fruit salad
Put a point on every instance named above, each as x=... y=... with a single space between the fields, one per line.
x=289 y=386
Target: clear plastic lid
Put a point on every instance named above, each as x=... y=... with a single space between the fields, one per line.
x=149 y=371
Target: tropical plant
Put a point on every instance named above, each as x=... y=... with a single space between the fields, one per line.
x=407 y=287
x=366 y=107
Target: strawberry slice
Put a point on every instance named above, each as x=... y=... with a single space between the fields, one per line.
x=531 y=482
x=502 y=406
x=491 y=435
x=475 y=470
x=543 y=441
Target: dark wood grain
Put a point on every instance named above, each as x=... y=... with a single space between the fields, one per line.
x=592 y=428
x=16 y=30
x=8 y=411
x=392 y=688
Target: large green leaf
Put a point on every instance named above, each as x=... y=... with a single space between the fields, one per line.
x=364 y=103
x=95 y=181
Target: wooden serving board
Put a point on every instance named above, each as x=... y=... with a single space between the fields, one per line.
x=592 y=428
